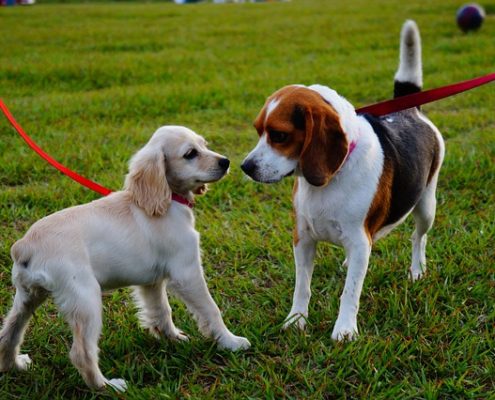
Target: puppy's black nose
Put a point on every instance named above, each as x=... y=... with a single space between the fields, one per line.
x=248 y=167
x=224 y=163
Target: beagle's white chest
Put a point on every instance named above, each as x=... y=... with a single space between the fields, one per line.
x=319 y=211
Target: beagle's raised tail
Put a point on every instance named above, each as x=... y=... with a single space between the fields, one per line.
x=409 y=77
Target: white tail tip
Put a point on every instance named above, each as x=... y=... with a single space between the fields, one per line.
x=410 y=68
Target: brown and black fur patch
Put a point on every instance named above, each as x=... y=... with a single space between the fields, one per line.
x=380 y=207
x=411 y=157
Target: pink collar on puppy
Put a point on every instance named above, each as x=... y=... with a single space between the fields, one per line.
x=182 y=200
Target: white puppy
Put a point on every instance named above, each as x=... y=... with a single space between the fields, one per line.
x=139 y=236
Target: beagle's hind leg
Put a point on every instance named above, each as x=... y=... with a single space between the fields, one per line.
x=424 y=215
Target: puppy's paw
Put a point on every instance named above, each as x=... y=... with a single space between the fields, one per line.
x=233 y=343
x=344 y=331
x=295 y=319
x=176 y=335
x=171 y=333
x=117 y=384
x=22 y=362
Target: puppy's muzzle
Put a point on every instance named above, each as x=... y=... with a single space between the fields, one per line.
x=224 y=163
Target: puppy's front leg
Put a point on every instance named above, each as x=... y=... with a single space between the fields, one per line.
x=358 y=252
x=188 y=282
x=155 y=312
x=304 y=253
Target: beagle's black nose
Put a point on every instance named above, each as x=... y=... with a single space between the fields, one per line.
x=224 y=163
x=248 y=167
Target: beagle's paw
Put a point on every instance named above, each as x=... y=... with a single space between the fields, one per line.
x=416 y=273
x=344 y=331
x=295 y=319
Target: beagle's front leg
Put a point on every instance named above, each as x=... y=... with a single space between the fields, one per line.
x=304 y=253
x=357 y=250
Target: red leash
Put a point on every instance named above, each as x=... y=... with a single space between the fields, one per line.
x=378 y=109
x=417 y=99
x=95 y=187
x=62 y=168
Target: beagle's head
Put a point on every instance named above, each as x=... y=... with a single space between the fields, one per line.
x=176 y=160
x=299 y=132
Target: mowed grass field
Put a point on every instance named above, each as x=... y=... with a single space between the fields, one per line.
x=91 y=83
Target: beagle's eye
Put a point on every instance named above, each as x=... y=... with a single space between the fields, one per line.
x=193 y=153
x=277 y=136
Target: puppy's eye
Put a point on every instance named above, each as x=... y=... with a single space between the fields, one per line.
x=277 y=136
x=191 y=154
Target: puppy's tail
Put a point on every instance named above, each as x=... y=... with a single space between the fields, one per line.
x=409 y=76
x=26 y=272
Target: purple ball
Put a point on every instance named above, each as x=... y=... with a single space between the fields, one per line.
x=470 y=17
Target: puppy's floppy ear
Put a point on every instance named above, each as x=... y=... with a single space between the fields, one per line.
x=325 y=144
x=147 y=182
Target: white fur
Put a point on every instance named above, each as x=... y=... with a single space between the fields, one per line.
x=112 y=242
x=271 y=165
x=351 y=125
x=410 y=68
x=272 y=106
x=336 y=213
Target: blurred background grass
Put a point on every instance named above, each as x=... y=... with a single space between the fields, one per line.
x=91 y=83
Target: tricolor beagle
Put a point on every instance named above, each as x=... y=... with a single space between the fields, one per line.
x=357 y=176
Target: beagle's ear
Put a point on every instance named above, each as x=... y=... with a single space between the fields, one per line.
x=147 y=182
x=325 y=145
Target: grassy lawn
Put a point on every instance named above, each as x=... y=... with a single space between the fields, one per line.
x=91 y=83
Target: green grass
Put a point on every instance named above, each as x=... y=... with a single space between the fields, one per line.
x=91 y=83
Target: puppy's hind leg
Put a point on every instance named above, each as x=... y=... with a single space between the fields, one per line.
x=424 y=215
x=25 y=303
x=82 y=307
x=155 y=313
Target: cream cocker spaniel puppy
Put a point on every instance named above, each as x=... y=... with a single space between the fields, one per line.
x=138 y=236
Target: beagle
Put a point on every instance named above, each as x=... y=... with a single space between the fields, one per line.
x=357 y=176
x=142 y=236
